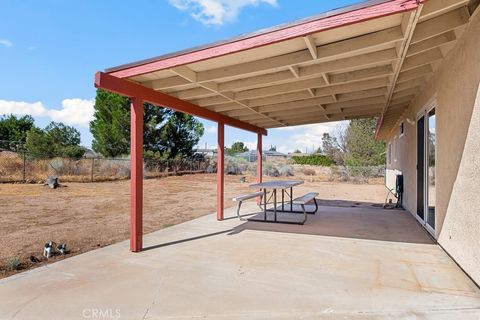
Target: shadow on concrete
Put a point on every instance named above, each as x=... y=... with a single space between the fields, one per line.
x=203 y=236
x=349 y=219
x=334 y=218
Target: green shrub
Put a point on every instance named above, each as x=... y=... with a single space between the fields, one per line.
x=314 y=160
x=13 y=263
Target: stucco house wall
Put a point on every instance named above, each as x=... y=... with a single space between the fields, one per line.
x=455 y=89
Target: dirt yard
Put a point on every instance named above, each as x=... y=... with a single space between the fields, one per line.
x=86 y=216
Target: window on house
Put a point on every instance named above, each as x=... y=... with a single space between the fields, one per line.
x=389 y=154
x=395 y=147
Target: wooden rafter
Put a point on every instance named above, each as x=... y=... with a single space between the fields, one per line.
x=192 y=76
x=408 y=25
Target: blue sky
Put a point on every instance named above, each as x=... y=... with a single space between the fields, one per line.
x=50 y=50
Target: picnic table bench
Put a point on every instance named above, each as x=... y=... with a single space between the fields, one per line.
x=283 y=186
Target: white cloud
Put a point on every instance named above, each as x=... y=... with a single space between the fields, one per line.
x=5 y=42
x=216 y=12
x=312 y=135
x=251 y=145
x=211 y=129
x=304 y=137
x=30 y=48
x=76 y=112
x=284 y=149
x=35 y=109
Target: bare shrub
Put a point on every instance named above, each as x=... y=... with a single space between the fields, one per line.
x=11 y=168
x=270 y=170
x=356 y=174
x=112 y=169
x=286 y=171
x=235 y=165
x=309 y=172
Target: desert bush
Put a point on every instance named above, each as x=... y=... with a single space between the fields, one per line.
x=235 y=165
x=309 y=172
x=211 y=168
x=11 y=168
x=314 y=160
x=270 y=170
x=286 y=171
x=357 y=174
x=13 y=263
x=112 y=169
x=71 y=167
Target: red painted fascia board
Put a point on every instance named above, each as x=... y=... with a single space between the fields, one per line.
x=130 y=89
x=295 y=31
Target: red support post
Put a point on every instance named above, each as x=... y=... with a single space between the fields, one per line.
x=136 y=174
x=220 y=170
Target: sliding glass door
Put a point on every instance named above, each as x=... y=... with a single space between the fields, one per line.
x=426 y=143
x=430 y=183
x=420 y=168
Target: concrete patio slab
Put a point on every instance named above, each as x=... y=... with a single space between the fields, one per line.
x=356 y=262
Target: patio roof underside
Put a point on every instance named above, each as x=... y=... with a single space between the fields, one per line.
x=373 y=67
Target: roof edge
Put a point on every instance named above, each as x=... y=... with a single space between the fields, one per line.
x=328 y=20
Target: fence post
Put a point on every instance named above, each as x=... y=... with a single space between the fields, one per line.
x=24 y=167
x=93 y=165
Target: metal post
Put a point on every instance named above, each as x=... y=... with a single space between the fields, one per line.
x=259 y=162
x=136 y=176
x=93 y=166
x=24 y=166
x=275 y=204
x=291 y=199
x=265 y=204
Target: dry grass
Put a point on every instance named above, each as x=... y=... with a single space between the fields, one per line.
x=91 y=215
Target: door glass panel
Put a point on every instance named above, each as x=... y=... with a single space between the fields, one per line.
x=431 y=169
x=420 y=167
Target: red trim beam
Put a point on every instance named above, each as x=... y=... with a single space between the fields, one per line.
x=267 y=38
x=133 y=90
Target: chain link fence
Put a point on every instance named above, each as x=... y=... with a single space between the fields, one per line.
x=24 y=167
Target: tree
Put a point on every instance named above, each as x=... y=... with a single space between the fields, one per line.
x=236 y=148
x=13 y=131
x=176 y=138
x=56 y=140
x=39 y=144
x=111 y=125
x=332 y=148
x=362 y=148
x=167 y=134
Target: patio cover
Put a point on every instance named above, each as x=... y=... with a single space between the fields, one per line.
x=365 y=60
